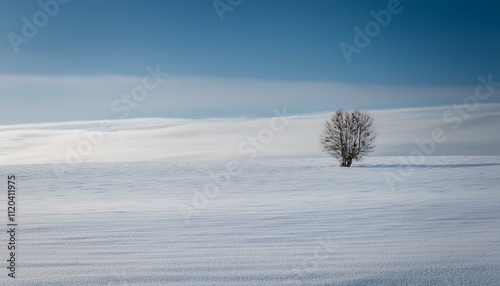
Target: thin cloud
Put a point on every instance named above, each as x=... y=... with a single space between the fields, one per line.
x=31 y=99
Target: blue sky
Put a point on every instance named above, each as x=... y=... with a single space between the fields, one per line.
x=428 y=43
x=263 y=55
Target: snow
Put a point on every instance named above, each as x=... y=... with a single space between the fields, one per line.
x=277 y=222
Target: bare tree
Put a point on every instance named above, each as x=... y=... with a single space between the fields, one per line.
x=349 y=135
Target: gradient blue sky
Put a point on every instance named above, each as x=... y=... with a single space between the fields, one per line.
x=426 y=53
x=429 y=43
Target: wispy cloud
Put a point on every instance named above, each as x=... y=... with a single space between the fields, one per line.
x=27 y=99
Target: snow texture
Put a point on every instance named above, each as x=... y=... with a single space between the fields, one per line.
x=277 y=222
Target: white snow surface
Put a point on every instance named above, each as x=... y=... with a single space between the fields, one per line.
x=277 y=222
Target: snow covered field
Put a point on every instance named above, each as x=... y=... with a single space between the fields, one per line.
x=278 y=222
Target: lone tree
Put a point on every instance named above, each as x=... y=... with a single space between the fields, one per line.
x=349 y=135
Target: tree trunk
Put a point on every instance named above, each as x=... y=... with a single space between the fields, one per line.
x=346 y=162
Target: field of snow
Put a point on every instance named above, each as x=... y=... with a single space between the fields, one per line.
x=277 y=222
